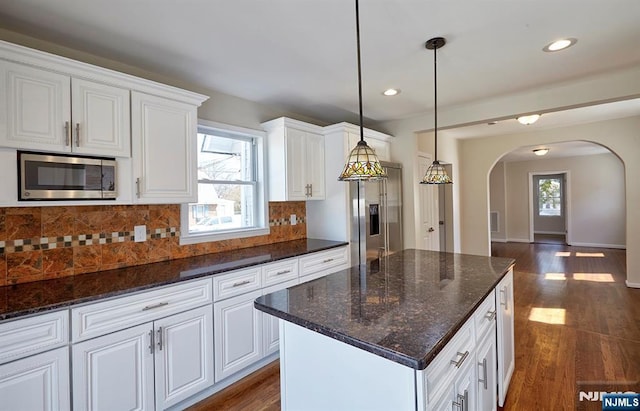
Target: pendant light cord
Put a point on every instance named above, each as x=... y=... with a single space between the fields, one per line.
x=435 y=99
x=359 y=70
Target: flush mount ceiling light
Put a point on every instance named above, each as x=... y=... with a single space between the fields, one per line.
x=527 y=120
x=559 y=44
x=391 y=92
x=363 y=163
x=436 y=174
x=540 y=151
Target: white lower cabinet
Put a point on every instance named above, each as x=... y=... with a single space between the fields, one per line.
x=184 y=355
x=150 y=366
x=486 y=369
x=238 y=334
x=36 y=383
x=270 y=324
x=122 y=363
x=505 y=320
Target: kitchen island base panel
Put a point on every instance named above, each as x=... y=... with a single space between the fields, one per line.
x=321 y=373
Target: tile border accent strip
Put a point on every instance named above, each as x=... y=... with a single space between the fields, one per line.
x=50 y=243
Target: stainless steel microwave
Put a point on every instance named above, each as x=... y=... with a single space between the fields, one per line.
x=65 y=177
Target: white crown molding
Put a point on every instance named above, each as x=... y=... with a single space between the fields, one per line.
x=77 y=69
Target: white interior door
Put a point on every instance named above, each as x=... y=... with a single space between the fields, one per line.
x=428 y=231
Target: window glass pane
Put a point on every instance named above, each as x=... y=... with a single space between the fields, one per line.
x=223 y=207
x=226 y=183
x=549 y=197
x=225 y=158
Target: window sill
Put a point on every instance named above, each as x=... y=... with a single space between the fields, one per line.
x=224 y=235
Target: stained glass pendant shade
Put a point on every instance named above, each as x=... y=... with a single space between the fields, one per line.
x=436 y=173
x=363 y=163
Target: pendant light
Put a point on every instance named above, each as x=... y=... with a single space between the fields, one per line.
x=362 y=163
x=436 y=174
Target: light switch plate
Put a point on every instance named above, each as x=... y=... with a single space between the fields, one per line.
x=293 y=220
x=140 y=233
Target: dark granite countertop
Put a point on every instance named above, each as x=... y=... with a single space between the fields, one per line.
x=36 y=297
x=404 y=308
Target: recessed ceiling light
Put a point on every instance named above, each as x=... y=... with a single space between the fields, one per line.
x=526 y=120
x=540 y=151
x=560 y=44
x=391 y=92
x=492 y=123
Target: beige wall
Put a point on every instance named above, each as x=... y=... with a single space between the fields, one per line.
x=621 y=136
x=596 y=193
x=498 y=200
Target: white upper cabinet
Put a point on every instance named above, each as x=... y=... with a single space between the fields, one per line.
x=55 y=112
x=100 y=115
x=296 y=160
x=164 y=149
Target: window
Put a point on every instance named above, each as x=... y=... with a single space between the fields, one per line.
x=549 y=197
x=231 y=189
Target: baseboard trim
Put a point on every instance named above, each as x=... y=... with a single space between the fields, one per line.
x=550 y=232
x=499 y=240
x=632 y=285
x=599 y=245
x=518 y=240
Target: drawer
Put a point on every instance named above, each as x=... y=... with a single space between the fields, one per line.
x=236 y=283
x=485 y=316
x=33 y=335
x=328 y=261
x=279 y=271
x=106 y=317
x=442 y=370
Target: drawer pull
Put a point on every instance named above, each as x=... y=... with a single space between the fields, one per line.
x=283 y=272
x=151 y=307
x=461 y=360
x=491 y=315
x=240 y=283
x=483 y=380
x=328 y=260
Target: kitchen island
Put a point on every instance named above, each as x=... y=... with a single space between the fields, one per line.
x=413 y=331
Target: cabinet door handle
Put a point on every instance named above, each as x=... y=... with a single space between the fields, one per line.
x=503 y=297
x=160 y=338
x=67 y=136
x=151 y=307
x=151 y=344
x=77 y=134
x=463 y=357
x=463 y=401
x=283 y=272
x=491 y=315
x=239 y=283
x=328 y=260
x=310 y=190
x=483 y=380
x=138 y=187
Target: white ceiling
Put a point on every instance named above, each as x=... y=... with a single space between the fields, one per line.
x=300 y=55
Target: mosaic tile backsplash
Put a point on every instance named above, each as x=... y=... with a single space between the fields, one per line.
x=38 y=243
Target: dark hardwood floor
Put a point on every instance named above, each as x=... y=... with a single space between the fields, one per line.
x=577 y=328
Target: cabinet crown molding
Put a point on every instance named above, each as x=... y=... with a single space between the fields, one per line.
x=63 y=65
x=354 y=128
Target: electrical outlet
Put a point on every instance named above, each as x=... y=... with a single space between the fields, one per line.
x=293 y=220
x=140 y=233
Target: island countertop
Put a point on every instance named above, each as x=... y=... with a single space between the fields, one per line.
x=404 y=307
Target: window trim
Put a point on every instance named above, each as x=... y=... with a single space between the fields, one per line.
x=262 y=217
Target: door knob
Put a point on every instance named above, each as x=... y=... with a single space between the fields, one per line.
x=431 y=230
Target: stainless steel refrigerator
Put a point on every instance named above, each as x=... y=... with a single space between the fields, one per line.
x=376 y=216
